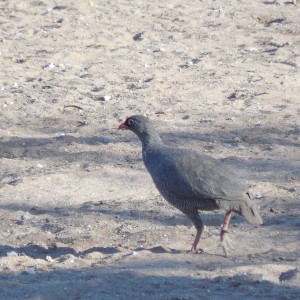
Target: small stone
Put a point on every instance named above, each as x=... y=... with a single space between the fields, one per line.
x=275 y=211
x=40 y=166
x=49 y=258
x=236 y=140
x=59 y=7
x=30 y=271
x=159 y=50
x=67 y=258
x=138 y=37
x=83 y=73
x=257 y=195
x=26 y=216
x=12 y=253
x=49 y=65
x=105 y=98
x=232 y=96
x=97 y=88
x=59 y=134
x=135 y=253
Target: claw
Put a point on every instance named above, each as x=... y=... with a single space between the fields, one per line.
x=226 y=243
x=195 y=250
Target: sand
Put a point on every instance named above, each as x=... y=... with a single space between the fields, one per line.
x=80 y=216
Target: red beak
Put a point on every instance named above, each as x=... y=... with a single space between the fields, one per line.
x=122 y=126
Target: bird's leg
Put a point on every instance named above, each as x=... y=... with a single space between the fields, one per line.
x=225 y=223
x=225 y=241
x=194 y=216
x=196 y=240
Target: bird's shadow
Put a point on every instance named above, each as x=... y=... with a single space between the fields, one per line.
x=40 y=252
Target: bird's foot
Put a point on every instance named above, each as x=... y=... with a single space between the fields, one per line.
x=226 y=243
x=195 y=250
x=199 y=251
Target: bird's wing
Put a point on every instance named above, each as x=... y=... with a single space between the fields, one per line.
x=191 y=175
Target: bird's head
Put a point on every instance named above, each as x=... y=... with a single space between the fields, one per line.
x=137 y=124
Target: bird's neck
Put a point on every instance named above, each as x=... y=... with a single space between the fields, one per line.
x=150 y=140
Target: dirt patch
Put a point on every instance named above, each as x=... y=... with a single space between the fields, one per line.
x=80 y=217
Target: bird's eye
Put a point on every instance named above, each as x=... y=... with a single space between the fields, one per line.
x=130 y=122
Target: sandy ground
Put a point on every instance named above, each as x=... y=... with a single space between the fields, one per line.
x=80 y=217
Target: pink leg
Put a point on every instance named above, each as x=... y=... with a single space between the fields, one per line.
x=225 y=224
x=196 y=241
x=195 y=218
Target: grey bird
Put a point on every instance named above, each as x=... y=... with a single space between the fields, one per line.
x=191 y=181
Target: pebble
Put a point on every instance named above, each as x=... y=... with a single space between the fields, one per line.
x=257 y=195
x=59 y=134
x=49 y=258
x=40 y=166
x=159 y=112
x=26 y=216
x=49 y=65
x=105 y=98
x=159 y=50
x=67 y=258
x=237 y=140
x=30 y=271
x=12 y=253
x=83 y=73
x=232 y=96
x=97 y=88
x=138 y=37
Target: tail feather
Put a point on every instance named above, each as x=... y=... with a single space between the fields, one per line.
x=242 y=206
x=250 y=213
